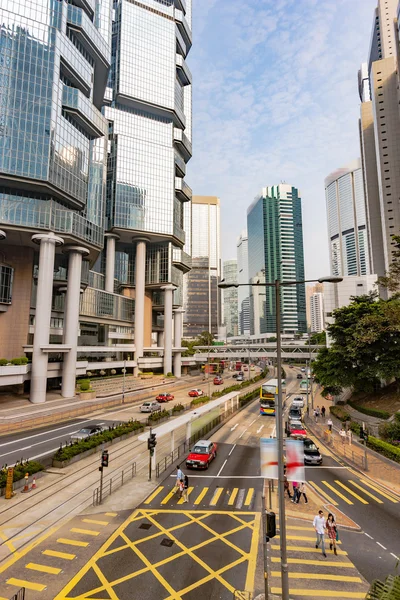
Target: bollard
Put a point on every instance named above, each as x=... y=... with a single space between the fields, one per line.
x=26 y=486
x=33 y=486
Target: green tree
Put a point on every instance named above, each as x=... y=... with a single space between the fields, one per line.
x=205 y=339
x=391 y=279
x=318 y=339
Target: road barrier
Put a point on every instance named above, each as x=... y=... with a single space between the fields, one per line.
x=114 y=483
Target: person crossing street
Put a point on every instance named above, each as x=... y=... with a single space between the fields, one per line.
x=319 y=526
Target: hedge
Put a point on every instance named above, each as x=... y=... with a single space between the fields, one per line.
x=76 y=448
x=200 y=400
x=20 y=470
x=178 y=408
x=372 y=412
x=384 y=448
x=160 y=414
x=340 y=413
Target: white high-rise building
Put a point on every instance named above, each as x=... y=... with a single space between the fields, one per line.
x=230 y=299
x=317 y=312
x=243 y=278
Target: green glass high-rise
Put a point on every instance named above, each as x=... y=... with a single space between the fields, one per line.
x=275 y=251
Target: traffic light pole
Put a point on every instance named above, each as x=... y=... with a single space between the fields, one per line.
x=150 y=455
x=101 y=485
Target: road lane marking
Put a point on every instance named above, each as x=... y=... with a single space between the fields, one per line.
x=323 y=493
x=232 y=497
x=57 y=554
x=168 y=496
x=305 y=549
x=379 y=491
x=154 y=494
x=351 y=492
x=29 y=437
x=239 y=503
x=367 y=534
x=43 y=568
x=84 y=531
x=190 y=490
x=252 y=423
x=317 y=563
x=365 y=491
x=260 y=428
x=302 y=538
x=321 y=576
x=242 y=434
x=234 y=427
x=232 y=449
x=21 y=583
x=72 y=542
x=95 y=522
x=274 y=431
x=220 y=471
x=249 y=497
x=379 y=544
x=111 y=514
x=201 y=496
x=320 y=593
x=337 y=492
x=216 y=496
x=394 y=556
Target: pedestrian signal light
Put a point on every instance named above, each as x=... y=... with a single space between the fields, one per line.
x=151 y=441
x=104 y=458
x=271 y=525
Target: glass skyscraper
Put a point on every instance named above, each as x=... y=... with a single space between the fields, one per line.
x=243 y=278
x=230 y=298
x=275 y=251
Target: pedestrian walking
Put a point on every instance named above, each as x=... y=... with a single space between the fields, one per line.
x=319 y=526
x=302 y=492
x=315 y=415
x=295 y=491
x=323 y=410
x=349 y=436
x=331 y=528
x=185 y=489
x=342 y=434
x=181 y=488
x=330 y=424
x=179 y=476
x=287 y=487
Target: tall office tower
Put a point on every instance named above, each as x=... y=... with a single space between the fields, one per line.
x=317 y=312
x=310 y=290
x=230 y=298
x=202 y=303
x=347 y=221
x=149 y=112
x=243 y=278
x=275 y=252
x=380 y=135
x=55 y=58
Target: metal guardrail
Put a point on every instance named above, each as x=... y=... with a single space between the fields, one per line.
x=113 y=483
x=20 y=595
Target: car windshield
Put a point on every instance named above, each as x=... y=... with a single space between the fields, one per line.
x=296 y=426
x=84 y=430
x=311 y=447
x=200 y=450
x=146 y=403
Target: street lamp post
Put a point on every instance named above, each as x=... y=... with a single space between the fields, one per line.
x=279 y=414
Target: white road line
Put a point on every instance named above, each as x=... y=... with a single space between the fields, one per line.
x=259 y=429
x=40 y=455
x=219 y=472
x=394 y=556
x=252 y=422
x=243 y=432
x=232 y=449
x=370 y=536
x=29 y=437
x=274 y=431
x=234 y=427
x=379 y=544
x=37 y=444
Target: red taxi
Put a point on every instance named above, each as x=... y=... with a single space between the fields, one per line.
x=218 y=380
x=296 y=430
x=203 y=452
x=195 y=393
x=164 y=397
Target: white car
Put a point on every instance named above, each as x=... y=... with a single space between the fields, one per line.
x=298 y=401
x=149 y=407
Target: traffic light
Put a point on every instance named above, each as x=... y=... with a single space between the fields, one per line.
x=271 y=525
x=104 y=458
x=151 y=442
x=363 y=434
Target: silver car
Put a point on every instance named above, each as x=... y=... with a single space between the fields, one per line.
x=151 y=406
x=86 y=432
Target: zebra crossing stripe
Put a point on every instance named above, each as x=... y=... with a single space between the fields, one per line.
x=239 y=503
x=232 y=497
x=216 y=496
x=249 y=497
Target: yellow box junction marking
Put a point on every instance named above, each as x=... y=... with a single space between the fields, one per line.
x=72 y=542
x=36 y=587
x=43 y=568
x=337 y=492
x=249 y=497
x=154 y=494
x=348 y=490
x=323 y=493
x=201 y=496
x=57 y=554
x=365 y=491
x=84 y=531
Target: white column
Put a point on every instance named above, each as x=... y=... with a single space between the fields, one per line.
x=178 y=341
x=188 y=431
x=110 y=261
x=71 y=318
x=44 y=295
x=232 y=404
x=140 y=280
x=172 y=440
x=168 y=291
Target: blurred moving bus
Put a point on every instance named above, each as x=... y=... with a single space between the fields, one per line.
x=267 y=396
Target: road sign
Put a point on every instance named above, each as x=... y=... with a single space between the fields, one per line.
x=9 y=483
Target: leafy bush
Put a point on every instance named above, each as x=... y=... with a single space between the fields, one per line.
x=355 y=427
x=390 y=431
x=200 y=400
x=372 y=412
x=157 y=416
x=20 y=469
x=84 y=385
x=4 y=362
x=178 y=408
x=384 y=448
x=169 y=374
x=19 y=361
x=340 y=413
x=113 y=372
x=96 y=440
x=102 y=373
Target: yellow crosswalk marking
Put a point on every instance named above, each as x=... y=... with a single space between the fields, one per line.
x=84 y=531
x=154 y=494
x=190 y=490
x=302 y=538
x=317 y=563
x=320 y=576
x=168 y=496
x=351 y=492
x=304 y=549
x=21 y=583
x=232 y=497
x=111 y=514
x=201 y=496
x=365 y=491
x=337 y=492
x=321 y=593
x=94 y=522
x=216 y=496
x=57 y=554
x=72 y=542
x=324 y=494
x=382 y=493
x=43 y=568
x=249 y=497
x=298 y=528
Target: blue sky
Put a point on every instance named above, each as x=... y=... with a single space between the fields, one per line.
x=275 y=98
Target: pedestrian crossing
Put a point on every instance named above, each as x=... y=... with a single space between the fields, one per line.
x=229 y=498
x=353 y=492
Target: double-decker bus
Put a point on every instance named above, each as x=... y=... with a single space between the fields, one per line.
x=267 y=396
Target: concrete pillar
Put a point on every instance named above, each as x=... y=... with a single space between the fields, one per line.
x=110 y=261
x=188 y=431
x=160 y=339
x=48 y=243
x=140 y=281
x=178 y=326
x=172 y=441
x=168 y=298
x=71 y=318
x=153 y=460
x=226 y=406
x=232 y=404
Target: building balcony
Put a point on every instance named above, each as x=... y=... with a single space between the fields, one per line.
x=84 y=112
x=180 y=165
x=182 y=190
x=180 y=5
x=182 y=48
x=87 y=33
x=105 y=305
x=88 y=5
x=79 y=71
x=181 y=260
x=184 y=28
x=184 y=73
x=183 y=143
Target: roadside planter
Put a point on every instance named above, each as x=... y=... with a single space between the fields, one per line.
x=87 y=395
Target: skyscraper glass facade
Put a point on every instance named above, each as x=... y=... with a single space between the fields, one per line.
x=243 y=278
x=230 y=298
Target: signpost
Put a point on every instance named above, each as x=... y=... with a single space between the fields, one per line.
x=9 y=483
